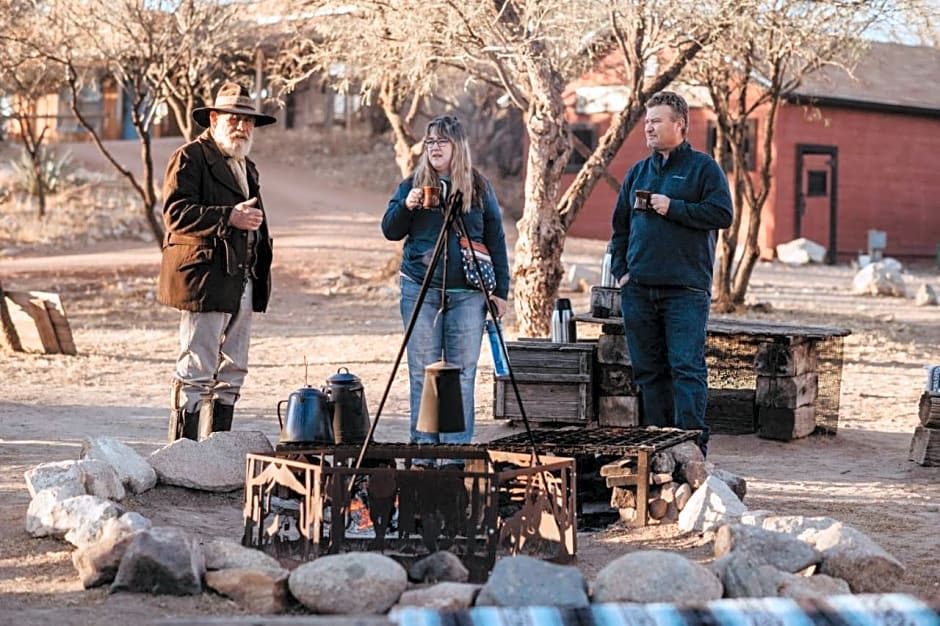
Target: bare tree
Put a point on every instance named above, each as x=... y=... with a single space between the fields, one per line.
x=531 y=49
x=158 y=52
x=27 y=76
x=770 y=51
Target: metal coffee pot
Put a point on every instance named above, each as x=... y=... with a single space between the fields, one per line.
x=308 y=418
x=348 y=401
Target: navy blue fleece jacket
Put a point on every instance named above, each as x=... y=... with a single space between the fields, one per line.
x=677 y=249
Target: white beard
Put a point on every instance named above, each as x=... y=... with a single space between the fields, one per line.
x=238 y=147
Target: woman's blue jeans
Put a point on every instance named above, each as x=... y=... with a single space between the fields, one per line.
x=456 y=333
x=666 y=329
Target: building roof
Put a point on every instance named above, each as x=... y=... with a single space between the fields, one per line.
x=889 y=76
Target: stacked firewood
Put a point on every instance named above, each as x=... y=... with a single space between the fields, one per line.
x=925 y=447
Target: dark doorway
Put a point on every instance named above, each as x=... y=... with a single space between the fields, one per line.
x=817 y=181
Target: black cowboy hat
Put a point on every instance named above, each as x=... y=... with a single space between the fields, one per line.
x=232 y=98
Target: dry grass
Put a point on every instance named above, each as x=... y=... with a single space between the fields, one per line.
x=91 y=207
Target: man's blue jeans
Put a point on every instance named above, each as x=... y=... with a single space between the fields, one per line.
x=666 y=332
x=460 y=331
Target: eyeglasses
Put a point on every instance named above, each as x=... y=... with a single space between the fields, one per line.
x=439 y=142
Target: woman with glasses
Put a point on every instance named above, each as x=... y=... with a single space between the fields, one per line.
x=454 y=331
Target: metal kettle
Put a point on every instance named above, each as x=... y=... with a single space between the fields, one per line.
x=347 y=398
x=308 y=418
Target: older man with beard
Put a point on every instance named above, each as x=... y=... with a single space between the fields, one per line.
x=216 y=261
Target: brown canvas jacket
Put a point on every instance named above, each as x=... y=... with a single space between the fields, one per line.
x=205 y=261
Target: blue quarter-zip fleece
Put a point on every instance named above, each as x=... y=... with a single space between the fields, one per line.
x=420 y=228
x=677 y=249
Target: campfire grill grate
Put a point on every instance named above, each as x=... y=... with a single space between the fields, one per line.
x=602 y=440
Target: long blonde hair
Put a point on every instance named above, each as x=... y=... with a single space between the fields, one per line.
x=462 y=175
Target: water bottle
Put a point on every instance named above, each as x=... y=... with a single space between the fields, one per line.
x=563 y=325
x=500 y=367
x=607 y=279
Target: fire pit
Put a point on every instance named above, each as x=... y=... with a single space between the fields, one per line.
x=310 y=500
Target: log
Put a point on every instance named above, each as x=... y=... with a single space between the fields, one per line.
x=930 y=410
x=925 y=446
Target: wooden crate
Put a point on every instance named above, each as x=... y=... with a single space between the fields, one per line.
x=555 y=382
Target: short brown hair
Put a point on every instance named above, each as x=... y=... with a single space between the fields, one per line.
x=680 y=108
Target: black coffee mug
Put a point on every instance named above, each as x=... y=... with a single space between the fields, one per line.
x=642 y=200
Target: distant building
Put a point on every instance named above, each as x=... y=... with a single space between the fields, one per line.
x=851 y=155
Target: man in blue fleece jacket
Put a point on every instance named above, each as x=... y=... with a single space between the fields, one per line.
x=665 y=224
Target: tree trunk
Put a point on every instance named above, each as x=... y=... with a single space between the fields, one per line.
x=538 y=270
x=406 y=157
x=40 y=183
x=150 y=194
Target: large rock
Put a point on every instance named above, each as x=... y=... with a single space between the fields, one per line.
x=447 y=596
x=655 y=576
x=133 y=469
x=98 y=562
x=851 y=555
x=712 y=505
x=782 y=551
x=101 y=479
x=802 y=527
x=880 y=279
x=214 y=464
x=348 y=584
x=737 y=483
x=818 y=586
x=442 y=566
x=744 y=576
x=88 y=515
x=79 y=519
x=65 y=475
x=229 y=554
x=800 y=252
x=257 y=592
x=164 y=560
x=925 y=296
x=524 y=580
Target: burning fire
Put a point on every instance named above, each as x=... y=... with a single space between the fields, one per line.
x=359 y=518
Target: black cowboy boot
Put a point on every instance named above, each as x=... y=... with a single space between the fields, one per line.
x=222 y=416
x=215 y=417
x=183 y=424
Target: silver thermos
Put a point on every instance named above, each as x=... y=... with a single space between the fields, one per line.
x=563 y=325
x=607 y=279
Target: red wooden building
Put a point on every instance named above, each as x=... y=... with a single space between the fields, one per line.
x=851 y=155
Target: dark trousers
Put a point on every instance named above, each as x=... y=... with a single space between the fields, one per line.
x=666 y=331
